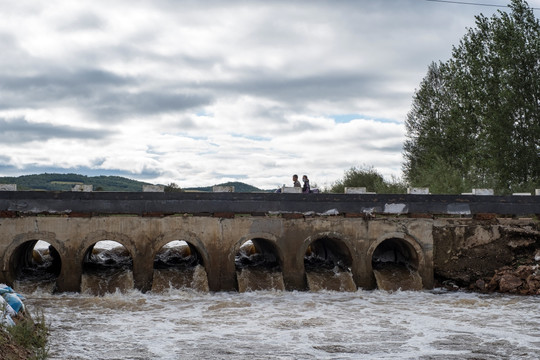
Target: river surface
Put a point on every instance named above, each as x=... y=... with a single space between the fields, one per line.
x=187 y=324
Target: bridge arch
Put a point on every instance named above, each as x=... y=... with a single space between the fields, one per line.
x=258 y=262
x=87 y=244
x=189 y=237
x=263 y=242
x=19 y=253
x=402 y=246
x=179 y=259
x=114 y=268
x=328 y=262
x=331 y=246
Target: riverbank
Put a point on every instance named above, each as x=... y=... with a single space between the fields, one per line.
x=27 y=339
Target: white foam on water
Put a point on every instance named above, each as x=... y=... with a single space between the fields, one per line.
x=291 y=325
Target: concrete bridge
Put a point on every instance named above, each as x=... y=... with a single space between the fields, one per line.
x=352 y=227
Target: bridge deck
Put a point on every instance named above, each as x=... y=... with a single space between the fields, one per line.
x=13 y=203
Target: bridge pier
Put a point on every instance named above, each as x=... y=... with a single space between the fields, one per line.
x=70 y=276
x=143 y=269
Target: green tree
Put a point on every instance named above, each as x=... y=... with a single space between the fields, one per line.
x=172 y=187
x=369 y=178
x=476 y=118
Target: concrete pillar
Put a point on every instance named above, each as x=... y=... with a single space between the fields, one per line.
x=219 y=188
x=222 y=278
x=355 y=190
x=482 y=191
x=69 y=279
x=418 y=191
x=83 y=188
x=153 y=188
x=293 y=271
x=143 y=266
x=293 y=190
x=362 y=275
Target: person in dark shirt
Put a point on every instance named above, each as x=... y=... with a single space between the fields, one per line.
x=305 y=188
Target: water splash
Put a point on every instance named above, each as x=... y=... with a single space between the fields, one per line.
x=180 y=278
x=327 y=272
x=395 y=276
x=107 y=269
x=115 y=280
x=333 y=279
x=252 y=279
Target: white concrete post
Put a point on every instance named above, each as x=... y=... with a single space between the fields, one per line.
x=221 y=188
x=82 y=188
x=418 y=191
x=8 y=187
x=153 y=188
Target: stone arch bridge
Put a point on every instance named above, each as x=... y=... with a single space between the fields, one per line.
x=215 y=225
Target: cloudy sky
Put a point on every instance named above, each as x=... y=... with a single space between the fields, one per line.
x=204 y=92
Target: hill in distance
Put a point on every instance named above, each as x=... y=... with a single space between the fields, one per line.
x=64 y=182
x=238 y=187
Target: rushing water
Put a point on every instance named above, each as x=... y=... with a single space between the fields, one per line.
x=180 y=319
x=185 y=324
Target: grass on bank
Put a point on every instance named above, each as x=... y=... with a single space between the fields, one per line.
x=26 y=340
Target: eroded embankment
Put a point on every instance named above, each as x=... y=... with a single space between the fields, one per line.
x=493 y=254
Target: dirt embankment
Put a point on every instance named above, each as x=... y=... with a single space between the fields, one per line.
x=496 y=254
x=13 y=351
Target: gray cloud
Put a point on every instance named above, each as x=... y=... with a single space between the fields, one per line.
x=56 y=86
x=19 y=130
x=146 y=103
x=101 y=94
x=314 y=87
x=83 y=21
x=219 y=81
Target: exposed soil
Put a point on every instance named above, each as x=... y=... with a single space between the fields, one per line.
x=9 y=350
x=488 y=255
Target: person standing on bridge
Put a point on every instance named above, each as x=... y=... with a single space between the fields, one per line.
x=305 y=188
x=295 y=181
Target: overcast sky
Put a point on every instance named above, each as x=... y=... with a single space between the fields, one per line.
x=204 y=92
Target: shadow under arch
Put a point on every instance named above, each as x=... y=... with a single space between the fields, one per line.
x=398 y=249
x=106 y=269
x=196 y=246
x=264 y=247
x=90 y=240
x=327 y=249
x=20 y=258
x=179 y=261
x=258 y=263
x=328 y=262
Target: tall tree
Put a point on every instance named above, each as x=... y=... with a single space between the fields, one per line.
x=477 y=116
